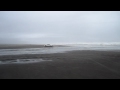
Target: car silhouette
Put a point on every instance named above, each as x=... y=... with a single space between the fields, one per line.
x=48 y=45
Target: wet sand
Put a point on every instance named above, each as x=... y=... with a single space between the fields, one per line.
x=20 y=46
x=71 y=65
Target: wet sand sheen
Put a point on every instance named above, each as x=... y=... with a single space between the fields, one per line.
x=22 y=61
x=56 y=49
x=71 y=65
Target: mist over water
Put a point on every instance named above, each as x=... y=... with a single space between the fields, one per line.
x=81 y=30
x=42 y=27
x=70 y=47
x=95 y=34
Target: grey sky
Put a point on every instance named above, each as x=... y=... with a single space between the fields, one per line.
x=59 y=26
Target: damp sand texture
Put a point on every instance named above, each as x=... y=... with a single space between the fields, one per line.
x=70 y=65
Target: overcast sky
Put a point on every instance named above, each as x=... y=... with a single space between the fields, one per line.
x=38 y=27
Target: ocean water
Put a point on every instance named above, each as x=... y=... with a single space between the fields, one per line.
x=48 y=50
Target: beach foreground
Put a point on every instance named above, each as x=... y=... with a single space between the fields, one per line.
x=84 y=64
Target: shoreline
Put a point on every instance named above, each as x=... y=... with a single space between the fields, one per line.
x=21 y=46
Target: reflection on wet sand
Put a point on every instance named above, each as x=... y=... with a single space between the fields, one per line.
x=22 y=61
x=50 y=50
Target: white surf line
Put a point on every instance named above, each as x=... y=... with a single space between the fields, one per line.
x=23 y=61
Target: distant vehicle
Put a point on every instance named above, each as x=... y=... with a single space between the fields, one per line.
x=48 y=45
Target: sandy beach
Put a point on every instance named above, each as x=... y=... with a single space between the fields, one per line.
x=84 y=64
x=59 y=45
x=20 y=46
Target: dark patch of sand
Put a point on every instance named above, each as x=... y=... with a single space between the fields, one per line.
x=71 y=65
x=20 y=46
